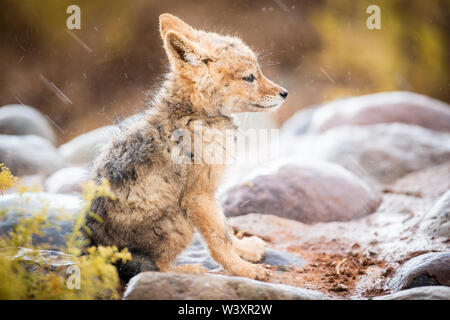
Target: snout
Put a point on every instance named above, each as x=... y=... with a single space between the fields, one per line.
x=284 y=94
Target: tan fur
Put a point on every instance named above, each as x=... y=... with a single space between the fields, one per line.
x=159 y=202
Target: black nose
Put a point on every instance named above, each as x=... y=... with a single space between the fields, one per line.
x=284 y=94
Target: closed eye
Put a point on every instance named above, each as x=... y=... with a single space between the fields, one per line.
x=249 y=78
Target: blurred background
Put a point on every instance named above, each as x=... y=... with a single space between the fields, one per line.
x=319 y=50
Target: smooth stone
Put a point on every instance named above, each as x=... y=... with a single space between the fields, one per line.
x=83 y=149
x=67 y=180
x=385 y=107
x=436 y=222
x=29 y=155
x=380 y=154
x=303 y=191
x=420 y=293
x=430 y=269
x=18 y=120
x=176 y=286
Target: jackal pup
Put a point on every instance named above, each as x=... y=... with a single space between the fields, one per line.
x=159 y=202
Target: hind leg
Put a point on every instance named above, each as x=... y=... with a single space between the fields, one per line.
x=178 y=235
x=140 y=263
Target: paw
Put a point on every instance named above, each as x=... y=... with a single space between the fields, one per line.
x=252 y=271
x=258 y=272
x=251 y=249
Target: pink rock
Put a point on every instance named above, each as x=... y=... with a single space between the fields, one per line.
x=306 y=192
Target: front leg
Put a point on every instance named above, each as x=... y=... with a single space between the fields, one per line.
x=210 y=222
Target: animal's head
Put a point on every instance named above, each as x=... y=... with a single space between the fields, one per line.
x=220 y=72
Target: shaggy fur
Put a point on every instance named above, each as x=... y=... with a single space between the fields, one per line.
x=160 y=202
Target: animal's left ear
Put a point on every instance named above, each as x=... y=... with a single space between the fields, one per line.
x=168 y=22
x=182 y=50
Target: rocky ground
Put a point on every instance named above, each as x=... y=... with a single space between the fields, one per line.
x=357 y=205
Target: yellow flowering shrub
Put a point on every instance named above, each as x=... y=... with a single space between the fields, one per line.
x=77 y=275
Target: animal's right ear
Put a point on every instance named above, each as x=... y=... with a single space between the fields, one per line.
x=168 y=22
x=181 y=50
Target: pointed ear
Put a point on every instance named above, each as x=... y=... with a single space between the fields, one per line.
x=182 y=50
x=168 y=22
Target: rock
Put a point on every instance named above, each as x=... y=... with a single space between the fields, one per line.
x=437 y=221
x=430 y=269
x=421 y=293
x=28 y=155
x=429 y=183
x=60 y=209
x=34 y=260
x=176 y=286
x=299 y=123
x=281 y=258
x=84 y=148
x=197 y=252
x=21 y=120
x=386 y=107
x=67 y=180
x=306 y=192
x=379 y=153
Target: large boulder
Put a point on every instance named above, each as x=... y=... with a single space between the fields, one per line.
x=436 y=222
x=385 y=107
x=28 y=155
x=20 y=120
x=60 y=211
x=81 y=150
x=67 y=180
x=421 y=293
x=306 y=192
x=379 y=153
x=430 y=269
x=176 y=286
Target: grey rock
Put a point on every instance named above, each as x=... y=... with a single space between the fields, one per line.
x=67 y=180
x=437 y=221
x=28 y=155
x=197 y=252
x=20 y=120
x=304 y=191
x=430 y=269
x=421 y=293
x=34 y=260
x=61 y=211
x=83 y=149
x=380 y=153
x=282 y=259
x=175 y=286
